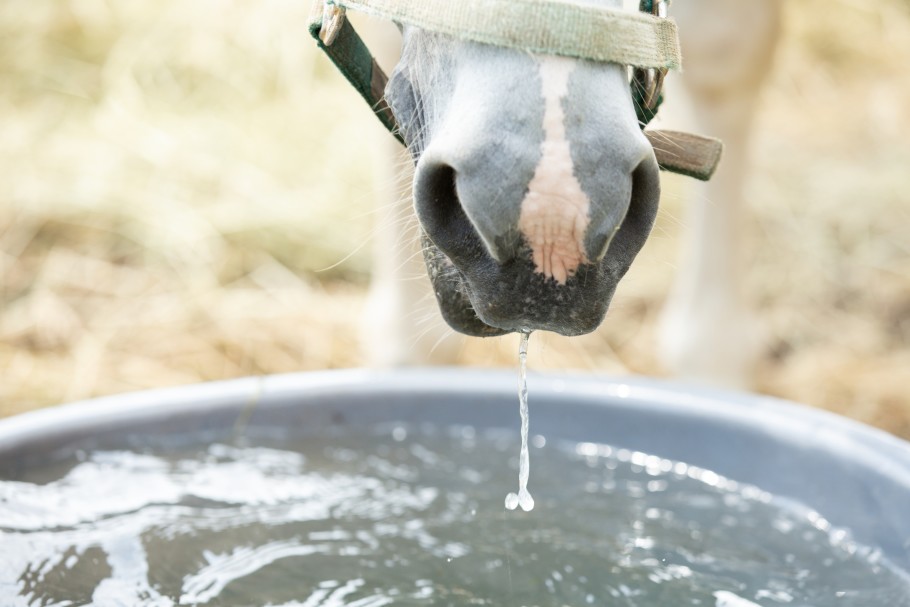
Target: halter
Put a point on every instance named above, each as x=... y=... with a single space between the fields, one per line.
x=647 y=41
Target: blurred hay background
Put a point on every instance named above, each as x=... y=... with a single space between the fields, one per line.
x=174 y=175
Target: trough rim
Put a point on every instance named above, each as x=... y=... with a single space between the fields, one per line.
x=786 y=419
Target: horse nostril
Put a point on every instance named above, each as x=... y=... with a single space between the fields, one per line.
x=440 y=211
x=437 y=202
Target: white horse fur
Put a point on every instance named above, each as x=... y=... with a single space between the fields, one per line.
x=707 y=332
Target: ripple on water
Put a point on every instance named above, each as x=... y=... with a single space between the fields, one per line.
x=413 y=515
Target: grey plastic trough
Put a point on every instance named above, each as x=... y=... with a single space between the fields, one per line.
x=855 y=476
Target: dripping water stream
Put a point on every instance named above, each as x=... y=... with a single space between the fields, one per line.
x=523 y=497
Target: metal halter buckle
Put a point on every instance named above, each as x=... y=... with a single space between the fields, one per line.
x=332 y=20
x=651 y=80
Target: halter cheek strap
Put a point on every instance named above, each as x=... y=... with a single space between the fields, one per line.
x=354 y=60
x=682 y=153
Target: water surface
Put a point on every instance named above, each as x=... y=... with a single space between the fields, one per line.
x=415 y=516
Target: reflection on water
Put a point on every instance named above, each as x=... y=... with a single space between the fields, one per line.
x=414 y=516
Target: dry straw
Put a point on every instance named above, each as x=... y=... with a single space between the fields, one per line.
x=170 y=187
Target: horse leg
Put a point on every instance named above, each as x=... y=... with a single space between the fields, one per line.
x=707 y=331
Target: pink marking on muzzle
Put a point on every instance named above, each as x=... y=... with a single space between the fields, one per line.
x=554 y=214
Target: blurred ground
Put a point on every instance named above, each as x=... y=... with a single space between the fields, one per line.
x=174 y=176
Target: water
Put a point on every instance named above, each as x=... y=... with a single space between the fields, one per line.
x=523 y=497
x=413 y=515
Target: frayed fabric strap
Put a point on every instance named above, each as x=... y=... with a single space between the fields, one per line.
x=550 y=27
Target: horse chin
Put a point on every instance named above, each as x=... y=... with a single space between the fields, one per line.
x=487 y=299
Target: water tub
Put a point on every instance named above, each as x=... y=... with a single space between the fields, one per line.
x=855 y=476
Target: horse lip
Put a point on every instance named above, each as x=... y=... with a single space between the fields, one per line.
x=577 y=315
x=495 y=300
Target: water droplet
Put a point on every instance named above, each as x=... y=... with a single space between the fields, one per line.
x=525 y=500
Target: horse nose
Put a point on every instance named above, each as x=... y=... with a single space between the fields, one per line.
x=462 y=217
x=543 y=216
